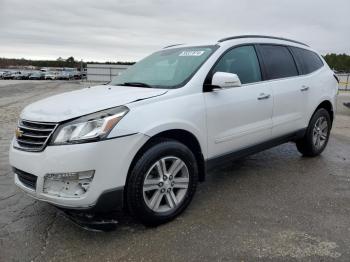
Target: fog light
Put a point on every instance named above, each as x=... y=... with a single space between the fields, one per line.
x=70 y=185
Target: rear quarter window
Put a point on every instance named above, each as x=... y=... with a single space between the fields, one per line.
x=278 y=62
x=307 y=60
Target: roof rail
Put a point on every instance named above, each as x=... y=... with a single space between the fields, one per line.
x=260 y=36
x=171 y=46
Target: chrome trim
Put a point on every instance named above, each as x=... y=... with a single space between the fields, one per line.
x=34 y=129
x=36 y=146
x=29 y=142
x=33 y=136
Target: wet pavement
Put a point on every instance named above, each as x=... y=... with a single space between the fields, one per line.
x=272 y=206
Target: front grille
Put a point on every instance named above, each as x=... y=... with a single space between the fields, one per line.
x=27 y=179
x=33 y=136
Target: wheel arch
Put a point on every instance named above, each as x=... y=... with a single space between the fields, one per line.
x=326 y=104
x=181 y=135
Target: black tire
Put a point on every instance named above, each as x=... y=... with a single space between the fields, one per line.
x=306 y=145
x=134 y=188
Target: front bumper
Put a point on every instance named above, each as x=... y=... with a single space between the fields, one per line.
x=110 y=159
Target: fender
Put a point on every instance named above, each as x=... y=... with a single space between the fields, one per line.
x=320 y=101
x=186 y=126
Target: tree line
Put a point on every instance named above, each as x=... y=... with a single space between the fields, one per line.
x=60 y=62
x=340 y=63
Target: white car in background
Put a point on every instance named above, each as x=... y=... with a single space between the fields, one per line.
x=50 y=76
x=143 y=141
x=65 y=75
x=2 y=73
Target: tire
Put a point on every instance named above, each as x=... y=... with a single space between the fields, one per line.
x=317 y=134
x=146 y=181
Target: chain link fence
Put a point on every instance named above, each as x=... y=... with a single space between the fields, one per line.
x=104 y=72
x=344 y=83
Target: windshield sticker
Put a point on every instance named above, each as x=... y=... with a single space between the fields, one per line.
x=191 y=53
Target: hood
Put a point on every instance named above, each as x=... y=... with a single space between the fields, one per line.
x=85 y=101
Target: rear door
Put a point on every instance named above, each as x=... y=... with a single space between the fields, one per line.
x=238 y=117
x=309 y=64
x=281 y=72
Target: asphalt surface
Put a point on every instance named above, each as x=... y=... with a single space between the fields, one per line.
x=272 y=206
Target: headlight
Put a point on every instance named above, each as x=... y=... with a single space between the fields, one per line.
x=91 y=127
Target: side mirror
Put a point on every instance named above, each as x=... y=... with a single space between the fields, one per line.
x=225 y=80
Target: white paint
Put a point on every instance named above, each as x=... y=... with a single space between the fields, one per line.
x=222 y=121
x=85 y=101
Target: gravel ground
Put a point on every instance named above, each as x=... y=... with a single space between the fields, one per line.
x=272 y=206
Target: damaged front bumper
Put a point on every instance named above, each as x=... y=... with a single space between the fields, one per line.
x=83 y=177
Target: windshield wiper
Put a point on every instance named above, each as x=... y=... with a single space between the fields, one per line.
x=138 y=84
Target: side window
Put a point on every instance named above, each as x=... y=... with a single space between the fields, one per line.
x=278 y=61
x=241 y=61
x=307 y=60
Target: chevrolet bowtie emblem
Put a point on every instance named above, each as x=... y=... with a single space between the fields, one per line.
x=19 y=133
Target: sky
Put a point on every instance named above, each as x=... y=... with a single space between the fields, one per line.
x=128 y=30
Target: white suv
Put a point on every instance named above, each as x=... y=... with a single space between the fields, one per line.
x=143 y=141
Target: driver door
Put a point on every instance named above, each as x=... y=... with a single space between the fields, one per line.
x=238 y=117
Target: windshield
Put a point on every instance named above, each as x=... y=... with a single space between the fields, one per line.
x=170 y=68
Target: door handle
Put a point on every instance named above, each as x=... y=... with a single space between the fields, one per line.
x=304 y=88
x=263 y=96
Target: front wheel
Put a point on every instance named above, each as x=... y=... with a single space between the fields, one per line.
x=317 y=134
x=162 y=182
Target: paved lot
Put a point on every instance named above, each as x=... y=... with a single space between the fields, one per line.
x=271 y=206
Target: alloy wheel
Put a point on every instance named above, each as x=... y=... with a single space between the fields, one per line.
x=320 y=132
x=166 y=184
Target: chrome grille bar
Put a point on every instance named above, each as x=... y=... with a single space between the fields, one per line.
x=29 y=142
x=34 y=129
x=33 y=136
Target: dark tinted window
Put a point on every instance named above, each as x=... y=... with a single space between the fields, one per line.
x=278 y=61
x=241 y=61
x=307 y=60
